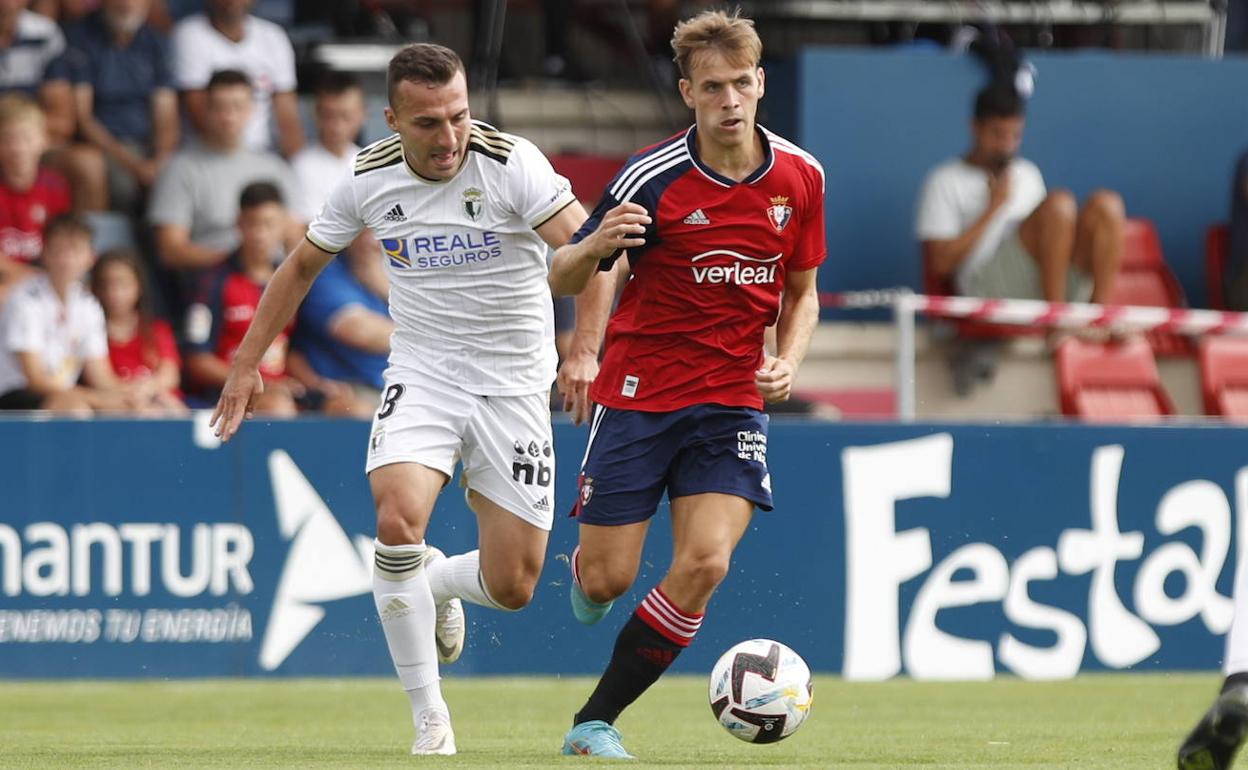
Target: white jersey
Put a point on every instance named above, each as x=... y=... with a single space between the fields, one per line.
x=64 y=334
x=468 y=289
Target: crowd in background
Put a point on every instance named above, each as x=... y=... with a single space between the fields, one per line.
x=177 y=150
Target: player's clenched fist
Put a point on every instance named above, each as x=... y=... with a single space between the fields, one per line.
x=621 y=228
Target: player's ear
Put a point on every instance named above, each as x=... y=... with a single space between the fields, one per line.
x=686 y=91
x=761 y=82
x=392 y=122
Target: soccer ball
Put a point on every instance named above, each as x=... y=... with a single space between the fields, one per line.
x=761 y=691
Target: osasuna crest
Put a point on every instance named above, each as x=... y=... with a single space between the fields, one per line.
x=474 y=203
x=779 y=212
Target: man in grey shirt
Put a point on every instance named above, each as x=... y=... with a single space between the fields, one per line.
x=194 y=206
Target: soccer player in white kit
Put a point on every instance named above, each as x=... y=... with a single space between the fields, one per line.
x=464 y=214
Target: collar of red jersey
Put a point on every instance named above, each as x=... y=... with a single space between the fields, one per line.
x=769 y=158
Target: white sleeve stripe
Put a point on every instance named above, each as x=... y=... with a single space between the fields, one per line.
x=793 y=149
x=640 y=183
x=641 y=166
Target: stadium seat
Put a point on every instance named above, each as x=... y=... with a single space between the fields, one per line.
x=589 y=174
x=1217 y=248
x=1224 y=377
x=1145 y=279
x=1110 y=382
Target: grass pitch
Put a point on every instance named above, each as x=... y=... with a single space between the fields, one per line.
x=1105 y=721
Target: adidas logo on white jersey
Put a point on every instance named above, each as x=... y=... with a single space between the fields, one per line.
x=395 y=214
x=543 y=505
x=697 y=218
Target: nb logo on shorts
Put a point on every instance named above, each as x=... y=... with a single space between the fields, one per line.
x=528 y=466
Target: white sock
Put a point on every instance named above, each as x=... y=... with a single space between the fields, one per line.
x=459 y=577
x=405 y=606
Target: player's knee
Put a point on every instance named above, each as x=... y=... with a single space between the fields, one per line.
x=602 y=586
x=515 y=595
x=702 y=574
x=394 y=526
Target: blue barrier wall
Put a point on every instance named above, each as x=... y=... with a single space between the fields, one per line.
x=134 y=549
x=1163 y=130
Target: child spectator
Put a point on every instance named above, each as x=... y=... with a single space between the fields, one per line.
x=228 y=300
x=52 y=332
x=141 y=347
x=30 y=195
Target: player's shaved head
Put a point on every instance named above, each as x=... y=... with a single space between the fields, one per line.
x=428 y=63
x=731 y=35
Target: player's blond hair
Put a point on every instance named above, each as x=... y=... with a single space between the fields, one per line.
x=731 y=34
x=16 y=106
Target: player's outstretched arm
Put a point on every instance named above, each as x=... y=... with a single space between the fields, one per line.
x=281 y=298
x=574 y=264
x=799 y=313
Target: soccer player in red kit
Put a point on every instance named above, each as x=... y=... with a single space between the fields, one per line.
x=723 y=229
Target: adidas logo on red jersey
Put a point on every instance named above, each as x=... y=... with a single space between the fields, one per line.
x=697 y=218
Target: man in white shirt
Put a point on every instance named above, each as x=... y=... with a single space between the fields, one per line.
x=465 y=215
x=987 y=222
x=227 y=37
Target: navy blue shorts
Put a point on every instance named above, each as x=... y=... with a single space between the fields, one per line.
x=633 y=457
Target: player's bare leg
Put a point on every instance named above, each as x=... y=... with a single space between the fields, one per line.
x=705 y=530
x=404 y=494
x=501 y=573
x=603 y=567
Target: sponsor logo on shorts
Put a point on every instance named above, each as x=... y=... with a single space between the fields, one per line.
x=376 y=440
x=526 y=469
x=752 y=445
x=587 y=489
x=543 y=505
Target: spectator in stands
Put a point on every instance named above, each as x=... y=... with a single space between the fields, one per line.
x=141 y=347
x=194 y=206
x=126 y=107
x=1235 y=273
x=228 y=37
x=339 y=114
x=227 y=302
x=987 y=222
x=52 y=332
x=344 y=328
x=29 y=43
x=30 y=195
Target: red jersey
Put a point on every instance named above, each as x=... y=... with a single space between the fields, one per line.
x=219 y=319
x=689 y=326
x=24 y=214
x=133 y=360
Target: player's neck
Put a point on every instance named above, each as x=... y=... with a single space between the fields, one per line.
x=735 y=162
x=256 y=266
x=20 y=180
x=231 y=28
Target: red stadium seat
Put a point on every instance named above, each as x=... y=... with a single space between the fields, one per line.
x=1224 y=377
x=1110 y=382
x=589 y=174
x=1145 y=279
x=1217 y=248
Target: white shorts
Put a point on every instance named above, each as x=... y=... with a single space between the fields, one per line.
x=504 y=442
